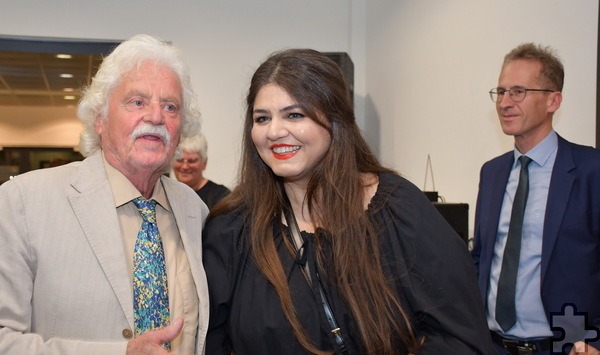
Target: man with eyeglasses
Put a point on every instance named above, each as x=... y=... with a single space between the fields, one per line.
x=537 y=221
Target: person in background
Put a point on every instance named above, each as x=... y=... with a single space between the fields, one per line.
x=320 y=249
x=538 y=258
x=189 y=167
x=103 y=256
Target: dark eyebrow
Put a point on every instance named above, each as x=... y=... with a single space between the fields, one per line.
x=285 y=109
x=290 y=108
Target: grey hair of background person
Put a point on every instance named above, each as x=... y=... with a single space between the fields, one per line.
x=194 y=144
x=129 y=55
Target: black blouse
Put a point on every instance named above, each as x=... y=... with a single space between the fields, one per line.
x=433 y=273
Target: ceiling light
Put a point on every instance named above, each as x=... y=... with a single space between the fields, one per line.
x=66 y=76
x=68 y=89
x=64 y=56
x=69 y=97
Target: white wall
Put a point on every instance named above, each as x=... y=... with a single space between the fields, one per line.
x=422 y=68
x=223 y=42
x=430 y=65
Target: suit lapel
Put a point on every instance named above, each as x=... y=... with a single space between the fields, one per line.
x=190 y=231
x=498 y=174
x=558 y=198
x=190 y=227
x=101 y=227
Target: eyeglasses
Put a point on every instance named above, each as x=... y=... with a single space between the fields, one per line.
x=516 y=93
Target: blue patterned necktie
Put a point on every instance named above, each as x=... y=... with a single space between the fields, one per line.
x=150 y=292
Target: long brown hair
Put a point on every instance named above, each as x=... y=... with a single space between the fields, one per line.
x=317 y=84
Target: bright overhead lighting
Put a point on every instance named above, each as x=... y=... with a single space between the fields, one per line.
x=64 y=56
x=66 y=76
x=69 y=97
x=68 y=89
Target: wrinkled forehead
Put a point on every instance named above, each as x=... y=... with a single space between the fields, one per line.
x=150 y=78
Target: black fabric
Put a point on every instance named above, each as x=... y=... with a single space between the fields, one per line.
x=335 y=335
x=506 y=313
x=427 y=261
x=211 y=193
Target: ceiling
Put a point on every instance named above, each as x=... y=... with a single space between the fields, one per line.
x=34 y=79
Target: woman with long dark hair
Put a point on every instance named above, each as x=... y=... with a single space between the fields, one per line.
x=321 y=249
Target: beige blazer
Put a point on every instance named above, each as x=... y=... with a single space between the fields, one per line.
x=64 y=280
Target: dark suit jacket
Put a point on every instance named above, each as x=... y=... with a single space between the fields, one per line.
x=571 y=236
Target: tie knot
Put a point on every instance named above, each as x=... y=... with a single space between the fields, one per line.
x=525 y=160
x=147 y=209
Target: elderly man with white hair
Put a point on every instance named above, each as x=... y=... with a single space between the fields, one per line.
x=103 y=256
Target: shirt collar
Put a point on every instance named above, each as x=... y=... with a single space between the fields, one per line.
x=124 y=191
x=542 y=151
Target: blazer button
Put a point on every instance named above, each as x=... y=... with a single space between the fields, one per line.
x=127 y=334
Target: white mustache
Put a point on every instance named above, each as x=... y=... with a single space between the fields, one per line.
x=154 y=130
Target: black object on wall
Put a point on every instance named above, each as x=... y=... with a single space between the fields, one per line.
x=343 y=60
x=457 y=215
x=432 y=196
x=56 y=45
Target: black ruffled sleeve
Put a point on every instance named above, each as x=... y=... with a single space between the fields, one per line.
x=434 y=272
x=223 y=258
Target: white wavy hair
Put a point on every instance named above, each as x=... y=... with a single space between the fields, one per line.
x=194 y=144
x=127 y=56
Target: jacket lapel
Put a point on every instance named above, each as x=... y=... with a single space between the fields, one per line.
x=498 y=174
x=190 y=231
x=101 y=227
x=558 y=198
x=190 y=228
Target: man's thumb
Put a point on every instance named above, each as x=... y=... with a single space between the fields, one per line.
x=171 y=332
